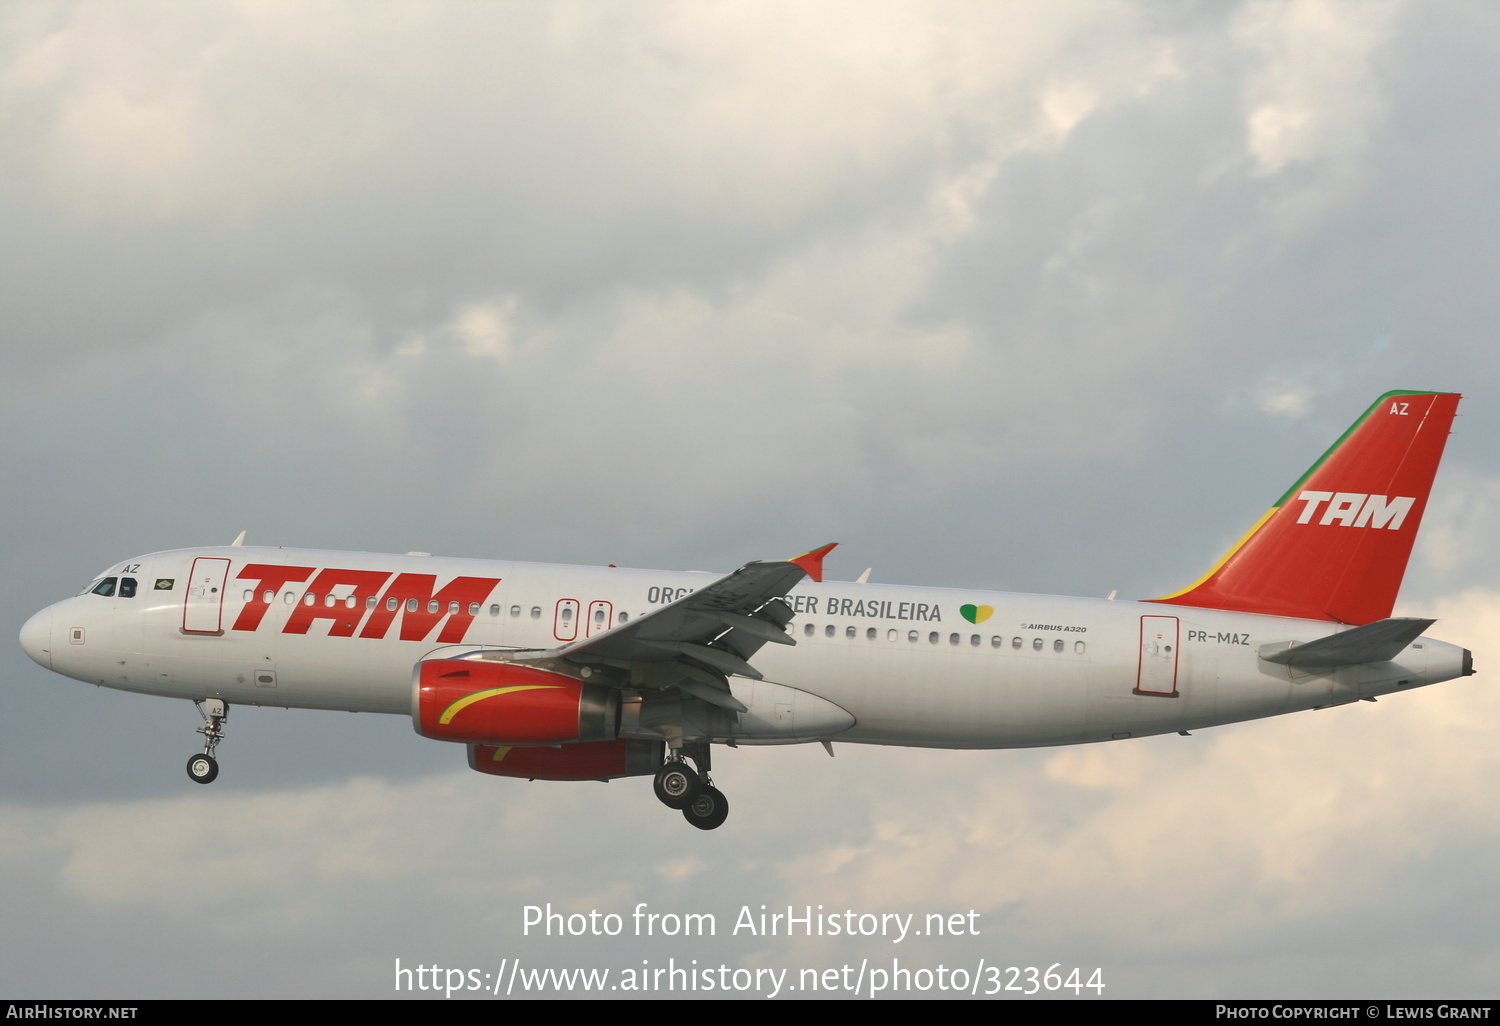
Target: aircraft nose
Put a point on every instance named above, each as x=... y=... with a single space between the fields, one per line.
x=36 y=637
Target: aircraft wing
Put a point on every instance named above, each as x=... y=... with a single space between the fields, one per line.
x=702 y=639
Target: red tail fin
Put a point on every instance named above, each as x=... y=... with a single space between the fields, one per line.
x=1335 y=546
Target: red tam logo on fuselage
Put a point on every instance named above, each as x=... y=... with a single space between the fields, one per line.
x=414 y=597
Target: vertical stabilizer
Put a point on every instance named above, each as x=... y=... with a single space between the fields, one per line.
x=1335 y=546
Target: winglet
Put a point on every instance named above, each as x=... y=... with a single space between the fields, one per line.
x=811 y=563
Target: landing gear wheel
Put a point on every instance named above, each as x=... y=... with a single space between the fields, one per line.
x=708 y=809
x=203 y=768
x=676 y=784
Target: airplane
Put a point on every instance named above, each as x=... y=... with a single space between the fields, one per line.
x=556 y=672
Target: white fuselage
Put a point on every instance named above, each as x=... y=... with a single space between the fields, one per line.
x=911 y=666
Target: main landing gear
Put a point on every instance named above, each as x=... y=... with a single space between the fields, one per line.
x=203 y=768
x=678 y=786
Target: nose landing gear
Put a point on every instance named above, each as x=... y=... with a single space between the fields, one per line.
x=203 y=768
x=677 y=786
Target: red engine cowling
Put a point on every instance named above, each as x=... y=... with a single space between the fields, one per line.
x=597 y=760
x=490 y=703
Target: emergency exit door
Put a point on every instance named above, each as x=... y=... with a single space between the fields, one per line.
x=1157 y=672
x=203 y=606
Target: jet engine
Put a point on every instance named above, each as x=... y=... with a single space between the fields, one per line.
x=505 y=705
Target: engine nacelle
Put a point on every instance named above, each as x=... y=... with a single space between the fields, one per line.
x=597 y=760
x=502 y=704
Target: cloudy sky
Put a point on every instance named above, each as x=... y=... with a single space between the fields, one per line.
x=1041 y=297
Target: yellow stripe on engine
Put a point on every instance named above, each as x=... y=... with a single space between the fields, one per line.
x=479 y=696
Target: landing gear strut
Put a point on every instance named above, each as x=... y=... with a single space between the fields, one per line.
x=679 y=787
x=204 y=768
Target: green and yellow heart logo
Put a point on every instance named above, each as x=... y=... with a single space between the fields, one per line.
x=976 y=614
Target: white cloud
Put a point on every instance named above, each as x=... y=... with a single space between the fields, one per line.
x=755 y=112
x=1458 y=540
x=486 y=329
x=1286 y=398
x=1316 y=94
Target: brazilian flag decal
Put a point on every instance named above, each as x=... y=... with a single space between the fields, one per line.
x=164 y=583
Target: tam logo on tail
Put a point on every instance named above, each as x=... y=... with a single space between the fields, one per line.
x=1357 y=508
x=1376 y=476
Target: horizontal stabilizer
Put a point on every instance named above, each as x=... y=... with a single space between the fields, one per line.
x=1373 y=643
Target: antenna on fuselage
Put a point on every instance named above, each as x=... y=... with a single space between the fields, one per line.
x=239 y=540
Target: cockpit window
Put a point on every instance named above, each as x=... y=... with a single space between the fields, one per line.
x=127 y=587
x=105 y=587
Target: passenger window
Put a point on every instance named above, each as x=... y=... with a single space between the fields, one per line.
x=1057 y=646
x=808 y=629
x=893 y=635
x=249 y=594
x=392 y=602
x=830 y=630
x=850 y=632
x=432 y=605
x=411 y=605
x=1078 y=647
x=370 y=601
x=453 y=608
x=267 y=595
x=106 y=587
x=974 y=640
x=599 y=615
x=473 y=608
x=1036 y=644
x=567 y=613
x=515 y=611
x=871 y=634
x=536 y=612
x=309 y=599
x=953 y=639
x=331 y=600
x=350 y=602
x=624 y=618
x=291 y=598
x=912 y=636
x=996 y=641
x=1015 y=642
x=933 y=638
x=494 y=610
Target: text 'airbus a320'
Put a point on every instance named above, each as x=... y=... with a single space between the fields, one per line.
x=589 y=673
